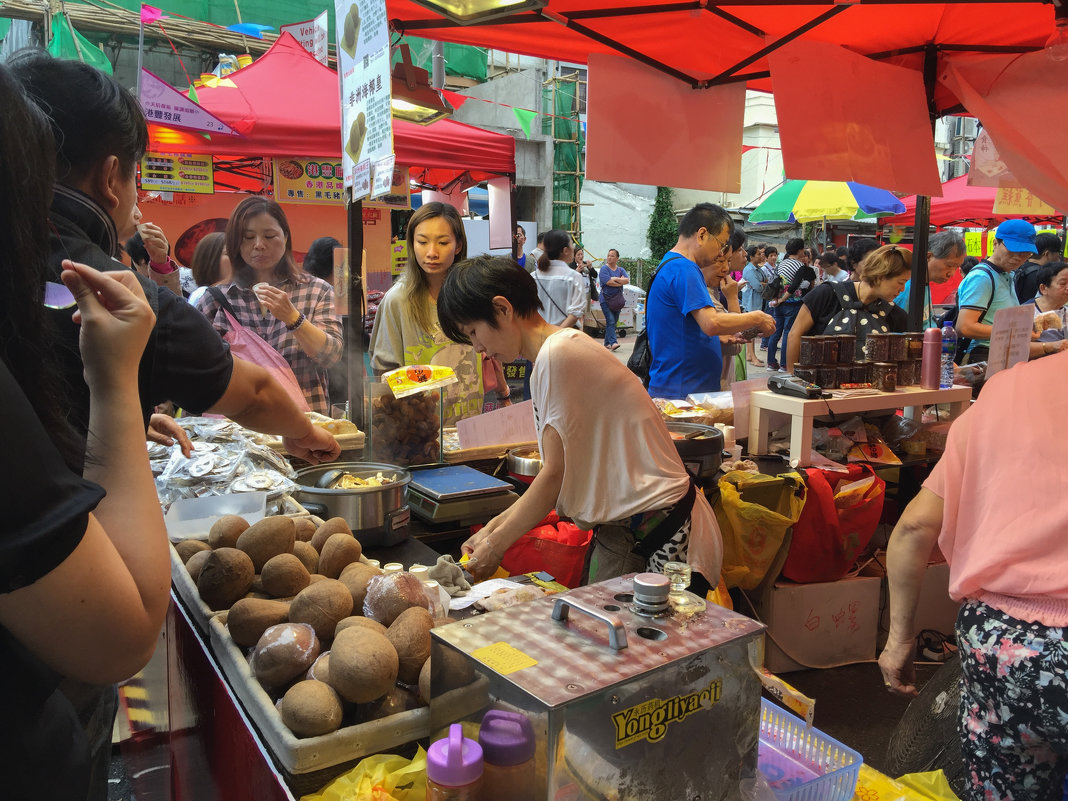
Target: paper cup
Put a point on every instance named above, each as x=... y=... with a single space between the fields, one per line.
x=263 y=306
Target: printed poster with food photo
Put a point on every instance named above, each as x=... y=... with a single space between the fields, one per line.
x=315 y=181
x=363 y=69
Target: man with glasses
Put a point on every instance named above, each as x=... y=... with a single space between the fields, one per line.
x=989 y=286
x=945 y=254
x=684 y=326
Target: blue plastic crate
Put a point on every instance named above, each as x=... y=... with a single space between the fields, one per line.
x=802 y=763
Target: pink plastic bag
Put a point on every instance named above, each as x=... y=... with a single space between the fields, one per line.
x=248 y=345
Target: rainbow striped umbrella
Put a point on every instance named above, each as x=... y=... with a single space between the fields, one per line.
x=809 y=201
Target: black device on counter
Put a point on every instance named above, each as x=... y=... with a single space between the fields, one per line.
x=786 y=384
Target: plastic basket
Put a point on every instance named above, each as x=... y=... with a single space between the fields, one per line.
x=802 y=763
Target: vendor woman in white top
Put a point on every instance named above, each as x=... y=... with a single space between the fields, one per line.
x=406 y=329
x=629 y=486
x=561 y=289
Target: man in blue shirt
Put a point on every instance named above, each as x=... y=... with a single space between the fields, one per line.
x=945 y=254
x=989 y=286
x=684 y=327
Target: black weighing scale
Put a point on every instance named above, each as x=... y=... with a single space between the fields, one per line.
x=457 y=494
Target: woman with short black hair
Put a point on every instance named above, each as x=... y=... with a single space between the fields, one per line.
x=616 y=473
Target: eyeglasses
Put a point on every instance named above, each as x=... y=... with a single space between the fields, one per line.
x=723 y=248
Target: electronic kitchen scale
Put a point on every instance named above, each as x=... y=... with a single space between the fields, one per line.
x=457 y=494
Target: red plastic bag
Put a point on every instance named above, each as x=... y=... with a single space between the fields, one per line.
x=827 y=537
x=555 y=546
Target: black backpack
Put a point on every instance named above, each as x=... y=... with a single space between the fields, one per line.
x=952 y=314
x=641 y=358
x=773 y=288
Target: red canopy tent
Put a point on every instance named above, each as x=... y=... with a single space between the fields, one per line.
x=844 y=112
x=288 y=104
x=960 y=205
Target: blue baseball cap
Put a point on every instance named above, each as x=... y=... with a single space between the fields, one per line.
x=1017 y=236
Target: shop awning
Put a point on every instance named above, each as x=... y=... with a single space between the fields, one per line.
x=961 y=205
x=288 y=104
x=839 y=122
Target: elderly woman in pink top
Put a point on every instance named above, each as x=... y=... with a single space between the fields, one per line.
x=1002 y=531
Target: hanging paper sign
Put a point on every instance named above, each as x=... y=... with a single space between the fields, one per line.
x=164 y=104
x=361 y=180
x=973 y=243
x=177 y=172
x=316 y=181
x=312 y=35
x=382 y=176
x=363 y=69
x=400 y=193
x=398 y=256
x=1009 y=201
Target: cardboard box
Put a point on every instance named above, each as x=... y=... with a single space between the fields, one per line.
x=819 y=625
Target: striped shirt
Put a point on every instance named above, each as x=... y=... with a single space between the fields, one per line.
x=312 y=296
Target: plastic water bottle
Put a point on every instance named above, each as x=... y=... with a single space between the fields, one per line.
x=949 y=347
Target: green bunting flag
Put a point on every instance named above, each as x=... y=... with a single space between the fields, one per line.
x=525 y=117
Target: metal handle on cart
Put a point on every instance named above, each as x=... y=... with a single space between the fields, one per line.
x=617 y=635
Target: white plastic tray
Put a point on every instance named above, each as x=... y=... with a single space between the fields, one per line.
x=304 y=755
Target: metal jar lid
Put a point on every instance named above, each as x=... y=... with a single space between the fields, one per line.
x=651 y=593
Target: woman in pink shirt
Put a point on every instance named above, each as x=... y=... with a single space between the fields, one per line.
x=1002 y=530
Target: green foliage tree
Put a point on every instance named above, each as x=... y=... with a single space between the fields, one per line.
x=663 y=227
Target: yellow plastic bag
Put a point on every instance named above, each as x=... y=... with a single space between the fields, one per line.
x=754 y=513
x=382 y=777
x=874 y=786
x=933 y=784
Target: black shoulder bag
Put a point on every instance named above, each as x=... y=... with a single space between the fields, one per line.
x=641 y=358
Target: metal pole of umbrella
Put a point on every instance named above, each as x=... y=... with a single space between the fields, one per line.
x=922 y=223
x=354 y=331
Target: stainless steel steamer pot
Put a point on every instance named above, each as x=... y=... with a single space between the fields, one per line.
x=376 y=515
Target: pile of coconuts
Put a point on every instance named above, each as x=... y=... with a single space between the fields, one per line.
x=329 y=636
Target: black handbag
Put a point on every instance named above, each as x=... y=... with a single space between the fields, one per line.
x=641 y=358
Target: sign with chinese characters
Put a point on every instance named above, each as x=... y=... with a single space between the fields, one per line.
x=382 y=176
x=363 y=69
x=400 y=192
x=164 y=104
x=177 y=172
x=311 y=34
x=1009 y=201
x=973 y=243
x=308 y=181
x=398 y=258
x=1010 y=338
x=361 y=180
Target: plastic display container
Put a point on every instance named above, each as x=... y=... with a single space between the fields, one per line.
x=802 y=763
x=192 y=518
